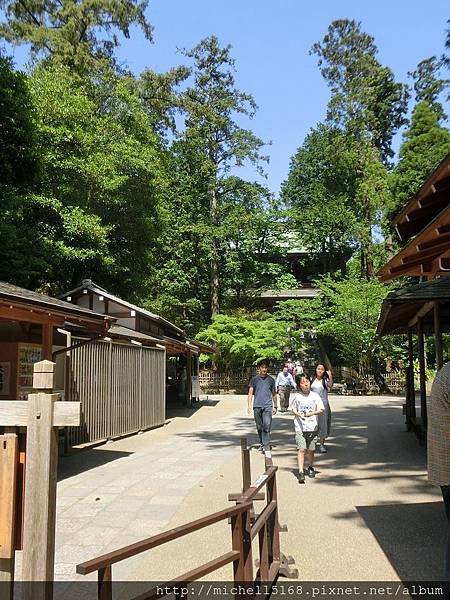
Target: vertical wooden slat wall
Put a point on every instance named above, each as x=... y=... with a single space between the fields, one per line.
x=121 y=388
x=153 y=379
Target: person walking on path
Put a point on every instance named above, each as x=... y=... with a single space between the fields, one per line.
x=321 y=384
x=306 y=406
x=438 y=445
x=283 y=384
x=263 y=399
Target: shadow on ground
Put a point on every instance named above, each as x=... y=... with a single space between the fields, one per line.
x=176 y=410
x=412 y=536
x=83 y=460
x=370 y=438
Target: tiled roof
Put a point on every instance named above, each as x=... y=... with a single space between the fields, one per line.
x=13 y=292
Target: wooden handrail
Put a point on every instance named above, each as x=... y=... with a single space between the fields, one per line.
x=192 y=575
x=108 y=559
x=244 y=528
x=262 y=480
x=263 y=518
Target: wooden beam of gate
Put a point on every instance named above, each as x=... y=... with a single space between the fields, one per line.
x=425 y=309
x=14 y=413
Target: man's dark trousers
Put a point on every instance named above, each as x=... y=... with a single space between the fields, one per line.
x=263 y=420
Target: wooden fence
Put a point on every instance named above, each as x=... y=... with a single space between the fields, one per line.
x=237 y=382
x=228 y=382
x=121 y=388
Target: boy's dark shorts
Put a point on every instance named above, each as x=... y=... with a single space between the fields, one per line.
x=306 y=440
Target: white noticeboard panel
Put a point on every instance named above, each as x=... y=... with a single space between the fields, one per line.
x=195 y=393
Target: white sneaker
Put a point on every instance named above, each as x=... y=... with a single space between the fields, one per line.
x=268 y=453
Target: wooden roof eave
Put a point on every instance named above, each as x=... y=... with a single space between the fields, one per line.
x=442 y=172
x=423 y=253
x=14 y=310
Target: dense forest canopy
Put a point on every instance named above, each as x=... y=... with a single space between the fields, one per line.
x=134 y=180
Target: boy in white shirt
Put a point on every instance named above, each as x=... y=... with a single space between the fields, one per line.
x=306 y=405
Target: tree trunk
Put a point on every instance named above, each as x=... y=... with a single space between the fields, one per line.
x=343 y=262
x=370 y=271
x=214 y=272
x=389 y=245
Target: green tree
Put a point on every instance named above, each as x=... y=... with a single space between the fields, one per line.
x=101 y=175
x=19 y=171
x=69 y=32
x=213 y=107
x=242 y=339
x=161 y=100
x=350 y=310
x=318 y=192
x=425 y=144
x=336 y=189
x=428 y=85
x=364 y=96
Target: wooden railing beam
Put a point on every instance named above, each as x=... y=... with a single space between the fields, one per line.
x=161 y=538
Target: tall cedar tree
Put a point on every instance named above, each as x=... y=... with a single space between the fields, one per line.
x=425 y=144
x=365 y=99
x=426 y=141
x=213 y=105
x=428 y=84
x=69 y=32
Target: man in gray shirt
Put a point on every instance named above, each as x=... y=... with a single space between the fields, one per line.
x=264 y=404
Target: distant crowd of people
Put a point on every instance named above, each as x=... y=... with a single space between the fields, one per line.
x=306 y=397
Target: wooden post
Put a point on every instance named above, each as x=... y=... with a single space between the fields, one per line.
x=9 y=451
x=422 y=372
x=40 y=486
x=104 y=587
x=241 y=541
x=141 y=383
x=42 y=416
x=47 y=341
x=438 y=337
x=189 y=378
x=273 y=524
x=246 y=472
x=410 y=381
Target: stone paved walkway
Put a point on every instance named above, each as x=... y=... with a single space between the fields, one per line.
x=119 y=492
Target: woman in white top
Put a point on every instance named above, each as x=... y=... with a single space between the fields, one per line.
x=321 y=384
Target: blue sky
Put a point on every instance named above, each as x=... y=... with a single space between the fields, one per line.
x=270 y=43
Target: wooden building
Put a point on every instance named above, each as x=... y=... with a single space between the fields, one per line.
x=423 y=309
x=140 y=326
x=31 y=327
x=118 y=365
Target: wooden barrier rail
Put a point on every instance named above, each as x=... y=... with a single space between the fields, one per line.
x=245 y=527
x=272 y=562
x=240 y=555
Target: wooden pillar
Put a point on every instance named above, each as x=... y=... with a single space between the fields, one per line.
x=47 y=341
x=241 y=541
x=410 y=382
x=422 y=373
x=40 y=486
x=9 y=452
x=189 y=378
x=438 y=337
